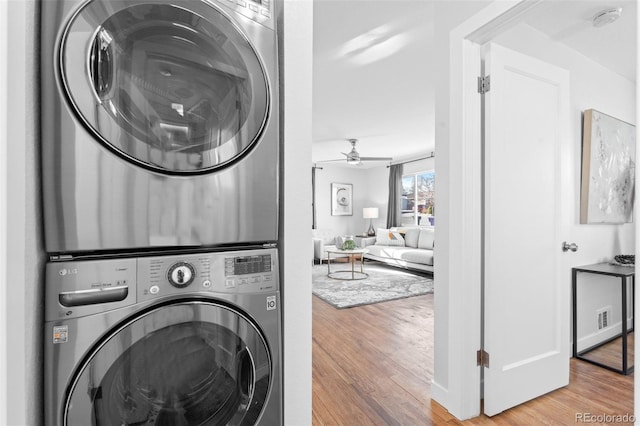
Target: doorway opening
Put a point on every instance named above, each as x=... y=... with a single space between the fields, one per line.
x=372 y=364
x=463 y=397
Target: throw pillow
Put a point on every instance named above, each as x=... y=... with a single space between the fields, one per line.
x=396 y=239
x=411 y=237
x=384 y=237
x=425 y=240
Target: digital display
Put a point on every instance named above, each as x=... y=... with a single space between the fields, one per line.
x=248 y=259
x=251 y=264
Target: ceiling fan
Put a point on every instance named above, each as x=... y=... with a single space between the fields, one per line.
x=353 y=157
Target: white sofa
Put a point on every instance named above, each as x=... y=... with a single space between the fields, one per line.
x=410 y=247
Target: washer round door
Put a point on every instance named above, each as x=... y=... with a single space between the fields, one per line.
x=189 y=363
x=174 y=87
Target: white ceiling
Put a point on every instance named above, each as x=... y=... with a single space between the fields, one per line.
x=372 y=78
x=570 y=23
x=373 y=75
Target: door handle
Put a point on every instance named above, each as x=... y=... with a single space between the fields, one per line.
x=566 y=246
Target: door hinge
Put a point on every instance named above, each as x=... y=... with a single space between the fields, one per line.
x=484 y=84
x=482 y=358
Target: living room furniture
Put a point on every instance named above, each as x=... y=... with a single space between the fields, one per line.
x=626 y=275
x=352 y=255
x=324 y=239
x=362 y=241
x=410 y=247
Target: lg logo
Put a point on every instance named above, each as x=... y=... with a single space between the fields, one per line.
x=69 y=271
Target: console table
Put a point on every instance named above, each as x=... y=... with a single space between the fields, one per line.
x=352 y=254
x=626 y=275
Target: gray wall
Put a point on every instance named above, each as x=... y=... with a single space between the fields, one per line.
x=25 y=256
x=34 y=242
x=370 y=189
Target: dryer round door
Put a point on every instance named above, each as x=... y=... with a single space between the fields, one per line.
x=188 y=363
x=176 y=87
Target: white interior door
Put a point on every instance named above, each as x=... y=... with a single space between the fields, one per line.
x=526 y=279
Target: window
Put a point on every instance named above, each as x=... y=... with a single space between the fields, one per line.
x=418 y=198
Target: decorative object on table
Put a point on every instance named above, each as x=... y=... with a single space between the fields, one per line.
x=608 y=169
x=370 y=213
x=624 y=260
x=345 y=242
x=348 y=243
x=383 y=284
x=341 y=199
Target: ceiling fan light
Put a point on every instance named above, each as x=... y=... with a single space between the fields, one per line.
x=353 y=161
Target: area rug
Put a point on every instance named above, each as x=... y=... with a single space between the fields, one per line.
x=382 y=284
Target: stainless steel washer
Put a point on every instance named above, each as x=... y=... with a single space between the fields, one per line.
x=166 y=340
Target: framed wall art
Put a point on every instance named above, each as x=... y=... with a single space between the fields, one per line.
x=608 y=169
x=341 y=199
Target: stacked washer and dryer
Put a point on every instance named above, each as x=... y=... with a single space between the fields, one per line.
x=160 y=141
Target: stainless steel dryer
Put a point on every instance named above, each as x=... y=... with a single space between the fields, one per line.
x=159 y=123
x=170 y=340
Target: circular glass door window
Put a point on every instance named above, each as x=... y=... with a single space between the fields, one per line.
x=173 y=87
x=177 y=365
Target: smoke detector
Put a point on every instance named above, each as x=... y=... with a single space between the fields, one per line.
x=606 y=16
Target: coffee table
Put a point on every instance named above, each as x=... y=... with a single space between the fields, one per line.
x=351 y=274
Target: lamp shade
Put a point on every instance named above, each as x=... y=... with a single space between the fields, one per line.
x=370 y=212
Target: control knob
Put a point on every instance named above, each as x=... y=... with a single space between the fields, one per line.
x=181 y=274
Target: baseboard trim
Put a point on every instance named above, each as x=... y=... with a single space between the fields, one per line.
x=594 y=339
x=439 y=393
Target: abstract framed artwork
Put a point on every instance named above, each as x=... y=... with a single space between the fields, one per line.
x=341 y=199
x=608 y=169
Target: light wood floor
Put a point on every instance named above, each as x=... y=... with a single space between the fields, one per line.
x=373 y=364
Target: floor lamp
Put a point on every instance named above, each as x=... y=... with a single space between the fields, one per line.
x=370 y=213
